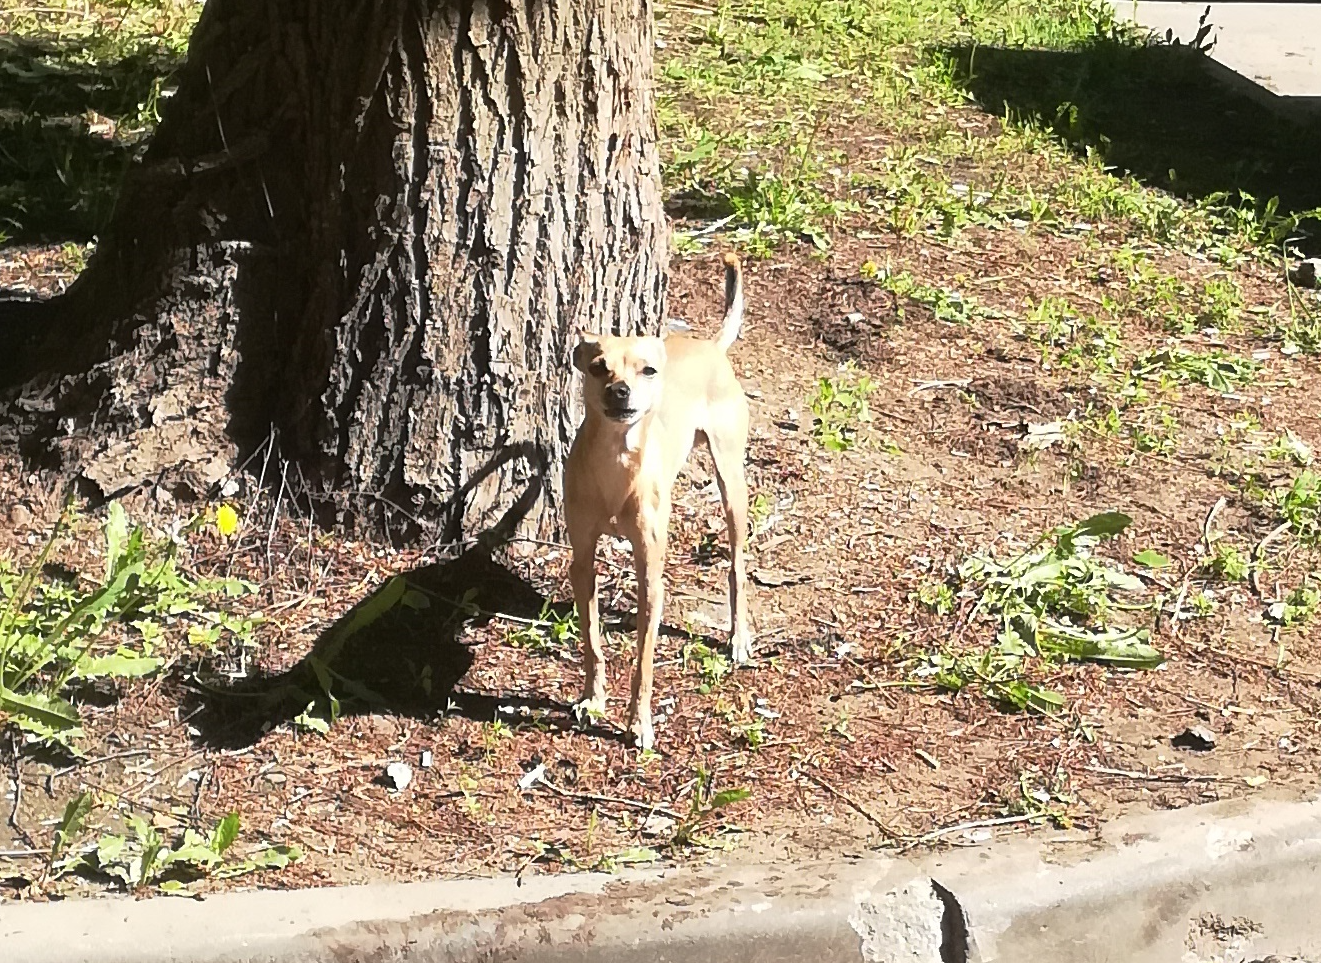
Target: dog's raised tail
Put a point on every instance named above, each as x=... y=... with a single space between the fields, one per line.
x=733 y=303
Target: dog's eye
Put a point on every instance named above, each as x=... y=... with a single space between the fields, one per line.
x=648 y=372
x=597 y=367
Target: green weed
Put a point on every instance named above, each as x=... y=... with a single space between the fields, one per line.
x=1289 y=447
x=147 y=859
x=55 y=632
x=705 y=804
x=840 y=409
x=1298 y=608
x=712 y=666
x=760 y=511
x=945 y=304
x=1052 y=603
x=1214 y=369
x=548 y=633
x=1228 y=563
x=1300 y=506
x=939 y=598
x=1040 y=797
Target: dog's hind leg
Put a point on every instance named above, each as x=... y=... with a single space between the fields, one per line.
x=727 y=446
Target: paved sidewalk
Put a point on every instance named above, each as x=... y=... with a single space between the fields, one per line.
x=1271 y=51
x=1226 y=883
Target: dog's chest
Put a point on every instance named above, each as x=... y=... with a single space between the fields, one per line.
x=628 y=486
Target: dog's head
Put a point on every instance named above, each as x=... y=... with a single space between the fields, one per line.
x=621 y=376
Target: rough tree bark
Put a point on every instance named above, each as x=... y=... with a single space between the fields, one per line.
x=366 y=228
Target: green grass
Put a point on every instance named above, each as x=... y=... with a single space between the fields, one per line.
x=80 y=91
x=744 y=91
x=840 y=410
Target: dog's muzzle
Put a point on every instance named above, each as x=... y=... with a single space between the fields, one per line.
x=617 y=402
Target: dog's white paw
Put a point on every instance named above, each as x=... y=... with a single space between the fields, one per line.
x=589 y=709
x=642 y=733
x=742 y=651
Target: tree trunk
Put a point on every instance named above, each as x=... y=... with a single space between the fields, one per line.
x=367 y=230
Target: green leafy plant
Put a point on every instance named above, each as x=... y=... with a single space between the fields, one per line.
x=945 y=304
x=1297 y=608
x=1040 y=797
x=324 y=709
x=938 y=597
x=1300 y=506
x=711 y=665
x=60 y=858
x=1214 y=369
x=1054 y=602
x=1228 y=563
x=705 y=803
x=549 y=632
x=55 y=631
x=839 y=408
x=146 y=859
x=772 y=210
x=760 y=510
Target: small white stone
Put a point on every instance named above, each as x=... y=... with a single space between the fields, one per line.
x=400 y=775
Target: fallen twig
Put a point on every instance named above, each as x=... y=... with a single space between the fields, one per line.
x=613 y=800
x=855 y=805
x=978 y=824
x=1259 y=555
x=1178 y=605
x=17 y=773
x=1210 y=520
x=126 y=754
x=1152 y=776
x=932 y=385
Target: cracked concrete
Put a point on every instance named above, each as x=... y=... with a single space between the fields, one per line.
x=1227 y=883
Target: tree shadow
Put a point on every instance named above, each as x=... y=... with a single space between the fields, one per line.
x=398 y=651
x=62 y=149
x=1156 y=111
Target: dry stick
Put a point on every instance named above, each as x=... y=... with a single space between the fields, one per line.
x=275 y=517
x=977 y=824
x=1153 y=776
x=126 y=754
x=931 y=385
x=1210 y=520
x=1259 y=555
x=616 y=800
x=18 y=791
x=855 y=805
x=1178 y=605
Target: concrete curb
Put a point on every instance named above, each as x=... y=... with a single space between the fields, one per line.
x=1233 y=881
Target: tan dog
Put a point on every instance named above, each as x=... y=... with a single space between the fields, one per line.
x=647 y=401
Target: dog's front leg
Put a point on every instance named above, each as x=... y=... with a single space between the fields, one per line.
x=649 y=545
x=582 y=575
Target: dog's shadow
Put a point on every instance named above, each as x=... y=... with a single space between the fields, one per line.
x=399 y=651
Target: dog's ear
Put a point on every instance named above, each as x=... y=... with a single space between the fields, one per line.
x=587 y=349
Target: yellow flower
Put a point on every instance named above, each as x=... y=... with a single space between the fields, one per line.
x=227 y=520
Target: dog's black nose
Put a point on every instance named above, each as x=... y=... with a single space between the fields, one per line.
x=618 y=392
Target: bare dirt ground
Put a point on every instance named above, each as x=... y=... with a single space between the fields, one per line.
x=837 y=741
